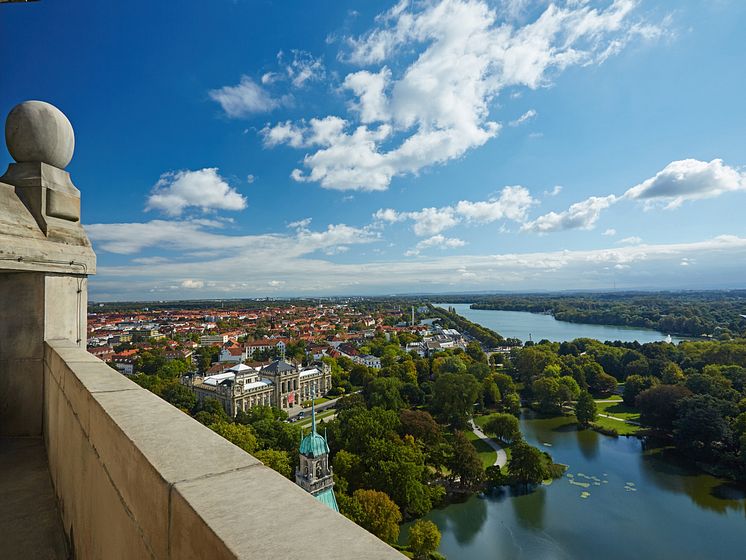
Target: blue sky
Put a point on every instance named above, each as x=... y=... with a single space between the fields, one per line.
x=249 y=149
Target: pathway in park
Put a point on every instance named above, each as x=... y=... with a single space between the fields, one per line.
x=616 y=417
x=620 y=419
x=625 y=420
x=502 y=457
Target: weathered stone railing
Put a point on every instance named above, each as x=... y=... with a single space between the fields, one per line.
x=137 y=478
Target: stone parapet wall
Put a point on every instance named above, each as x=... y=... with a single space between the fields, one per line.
x=137 y=478
x=33 y=306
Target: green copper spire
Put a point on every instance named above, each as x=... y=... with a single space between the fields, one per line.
x=313 y=408
x=314 y=474
x=313 y=445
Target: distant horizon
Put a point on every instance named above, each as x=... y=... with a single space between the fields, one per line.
x=429 y=295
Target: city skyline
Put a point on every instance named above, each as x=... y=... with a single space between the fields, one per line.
x=433 y=147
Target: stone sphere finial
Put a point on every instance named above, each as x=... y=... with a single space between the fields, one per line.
x=38 y=131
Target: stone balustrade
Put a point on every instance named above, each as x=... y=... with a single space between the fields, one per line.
x=137 y=478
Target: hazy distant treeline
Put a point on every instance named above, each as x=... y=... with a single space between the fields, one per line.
x=681 y=313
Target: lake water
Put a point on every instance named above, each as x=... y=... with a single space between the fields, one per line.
x=521 y=324
x=640 y=505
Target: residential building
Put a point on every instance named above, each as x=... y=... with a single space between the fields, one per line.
x=234 y=354
x=265 y=344
x=418 y=347
x=146 y=333
x=210 y=339
x=369 y=360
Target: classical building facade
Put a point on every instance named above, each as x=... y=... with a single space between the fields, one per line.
x=279 y=384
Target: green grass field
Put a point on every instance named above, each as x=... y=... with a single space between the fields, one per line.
x=618 y=409
x=486 y=453
x=482 y=420
x=622 y=428
x=307 y=404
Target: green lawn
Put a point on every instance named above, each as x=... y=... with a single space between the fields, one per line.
x=307 y=404
x=619 y=409
x=622 y=428
x=486 y=453
x=481 y=420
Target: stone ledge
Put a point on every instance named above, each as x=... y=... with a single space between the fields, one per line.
x=24 y=254
x=67 y=352
x=259 y=515
x=186 y=491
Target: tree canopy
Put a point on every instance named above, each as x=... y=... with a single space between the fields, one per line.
x=526 y=464
x=376 y=512
x=424 y=538
x=585 y=409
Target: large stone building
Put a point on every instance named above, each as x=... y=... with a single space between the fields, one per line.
x=279 y=384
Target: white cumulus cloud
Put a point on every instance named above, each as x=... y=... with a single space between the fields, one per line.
x=512 y=204
x=300 y=224
x=369 y=88
x=190 y=284
x=678 y=182
x=205 y=189
x=436 y=107
x=581 y=215
x=389 y=215
x=430 y=221
x=688 y=179
x=245 y=98
x=302 y=68
x=439 y=241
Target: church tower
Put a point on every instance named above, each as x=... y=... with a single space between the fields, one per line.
x=314 y=474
